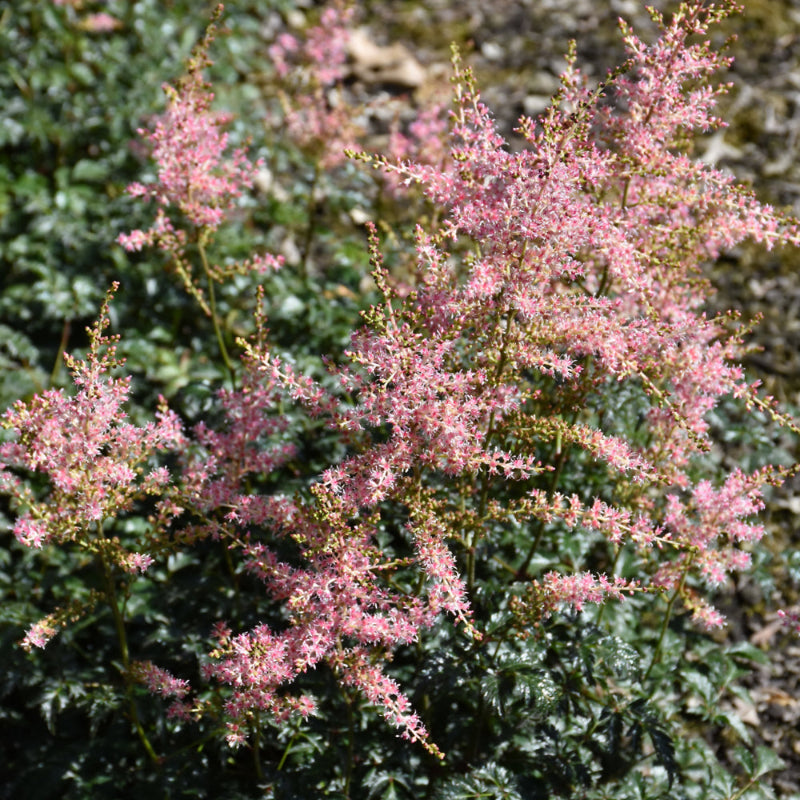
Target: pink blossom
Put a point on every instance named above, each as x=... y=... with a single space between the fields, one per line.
x=41 y=633
x=101 y=22
x=93 y=457
x=312 y=67
x=194 y=175
x=384 y=693
x=579 y=589
x=791 y=618
x=552 y=279
x=31 y=532
x=158 y=680
x=199 y=177
x=136 y=562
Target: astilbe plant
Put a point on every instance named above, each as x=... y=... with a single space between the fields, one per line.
x=98 y=469
x=197 y=185
x=473 y=393
x=584 y=272
x=312 y=69
x=316 y=117
x=558 y=277
x=96 y=462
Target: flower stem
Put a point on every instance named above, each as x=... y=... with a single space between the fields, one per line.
x=308 y=237
x=351 y=726
x=62 y=346
x=665 y=623
x=257 y=747
x=212 y=299
x=119 y=625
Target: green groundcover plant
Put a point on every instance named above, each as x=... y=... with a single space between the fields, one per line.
x=465 y=544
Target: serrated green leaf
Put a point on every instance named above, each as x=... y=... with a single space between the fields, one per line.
x=490 y=782
x=490 y=691
x=749 y=651
x=385 y=785
x=767 y=760
x=745 y=758
x=701 y=685
x=665 y=750
x=620 y=657
x=732 y=720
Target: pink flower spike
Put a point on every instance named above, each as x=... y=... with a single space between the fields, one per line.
x=159 y=681
x=198 y=174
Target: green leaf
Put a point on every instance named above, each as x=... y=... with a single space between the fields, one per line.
x=732 y=720
x=491 y=692
x=620 y=657
x=89 y=171
x=491 y=782
x=82 y=73
x=748 y=651
x=665 y=750
x=383 y=785
x=746 y=760
x=701 y=685
x=767 y=760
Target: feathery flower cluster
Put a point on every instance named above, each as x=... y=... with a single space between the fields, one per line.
x=425 y=143
x=194 y=174
x=335 y=606
x=198 y=180
x=159 y=681
x=579 y=589
x=41 y=632
x=312 y=69
x=589 y=245
x=216 y=464
x=95 y=461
